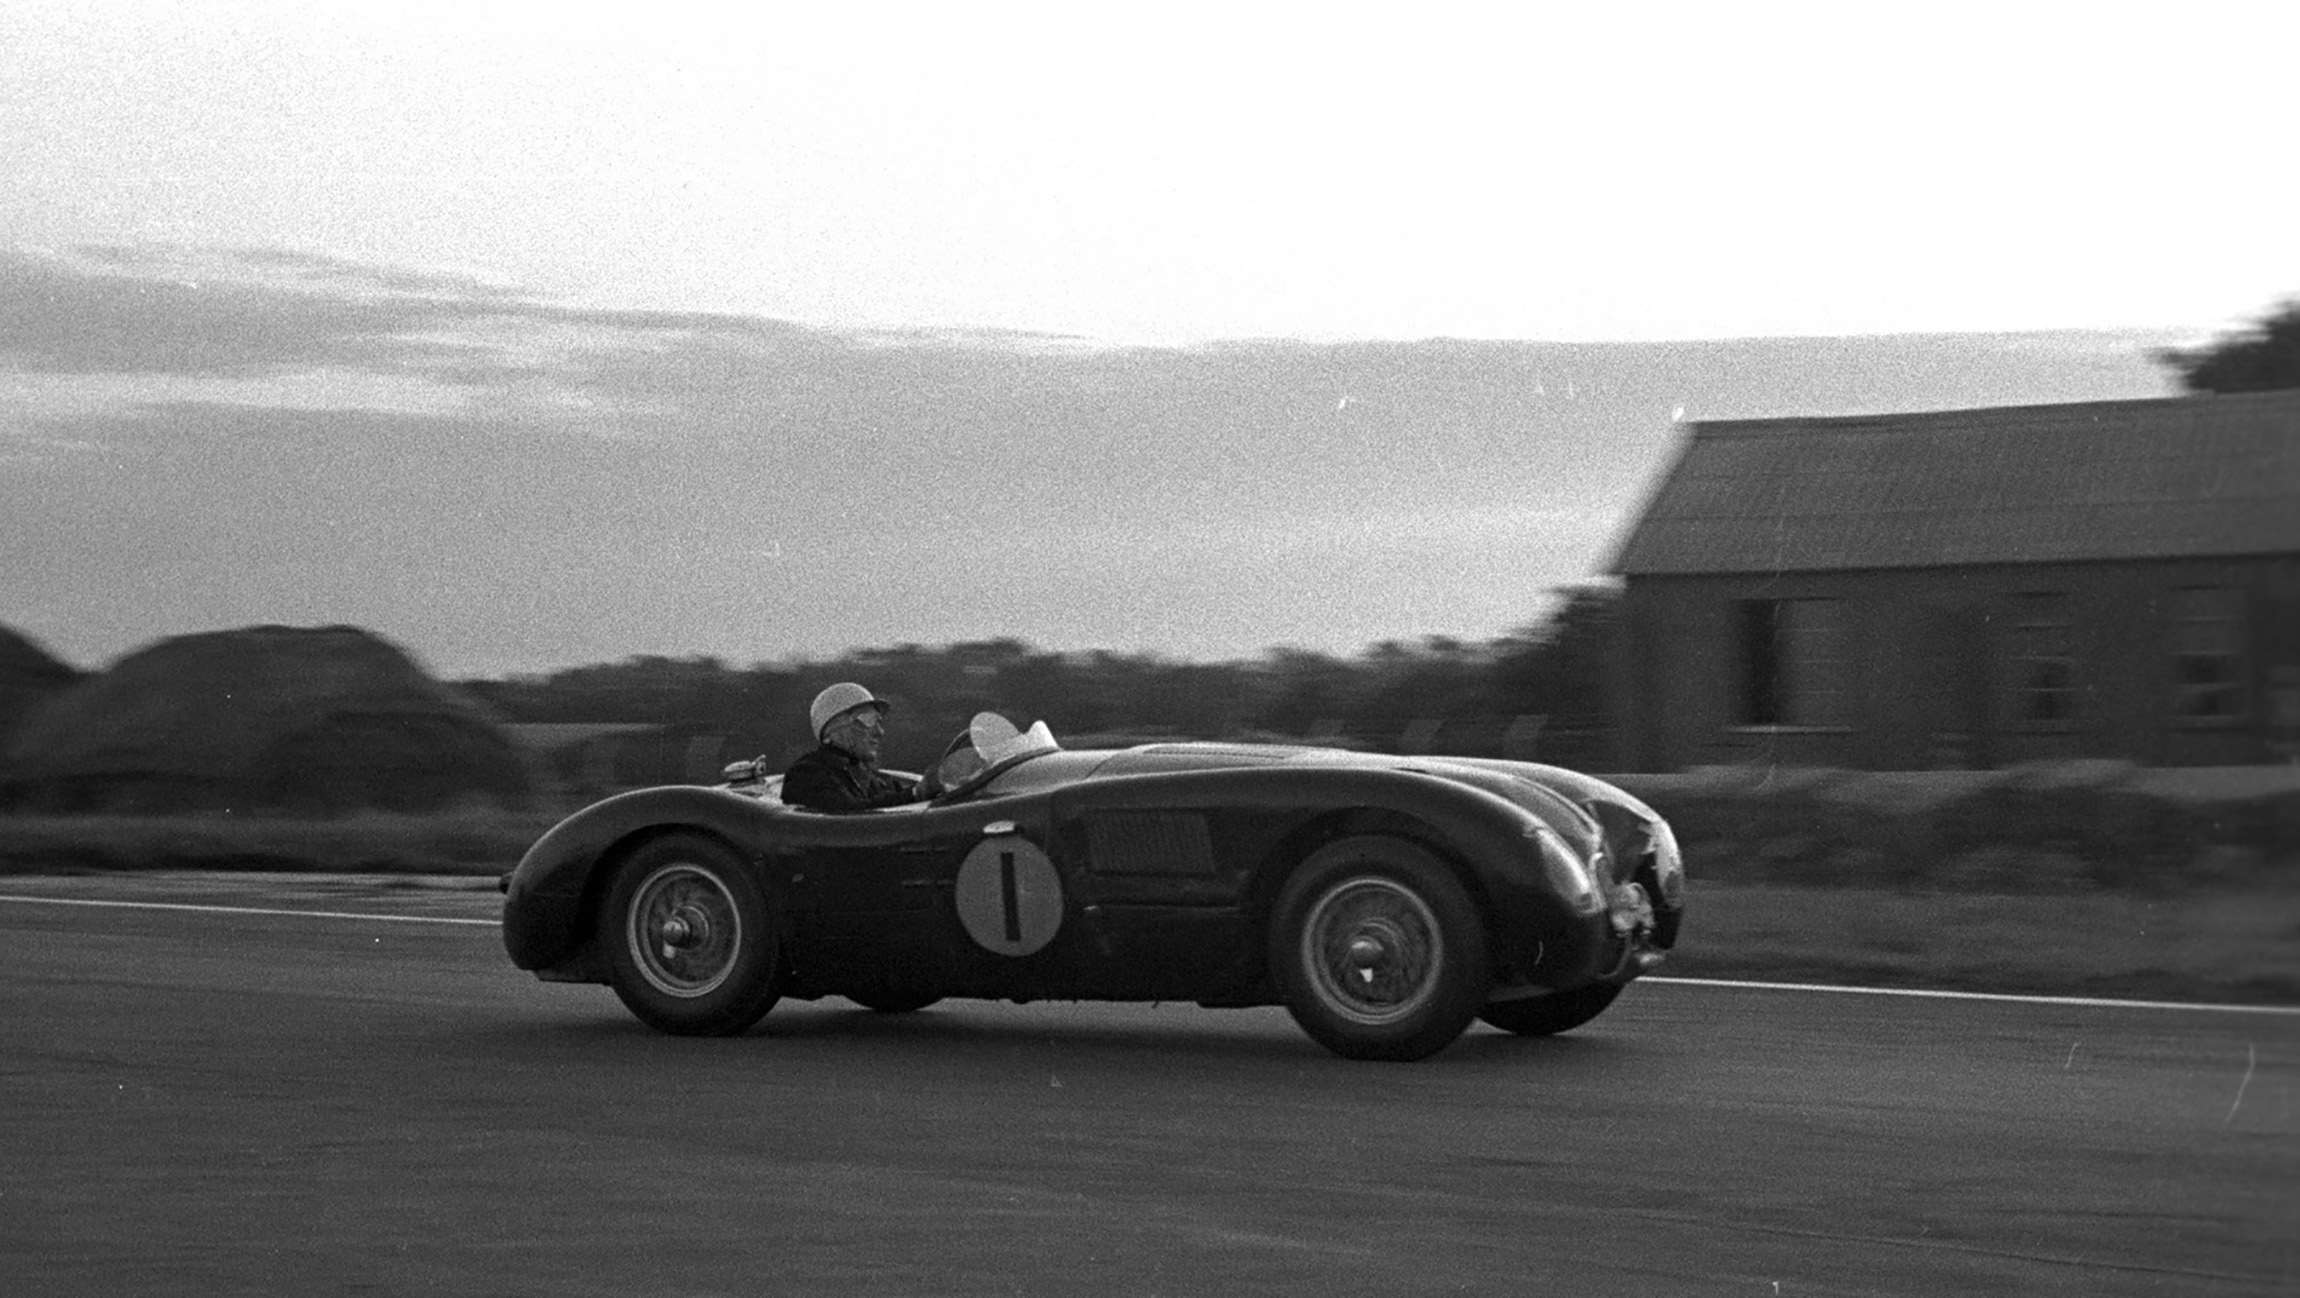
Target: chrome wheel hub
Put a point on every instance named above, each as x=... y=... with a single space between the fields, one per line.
x=688 y=926
x=1372 y=950
x=683 y=930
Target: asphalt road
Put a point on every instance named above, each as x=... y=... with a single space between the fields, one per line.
x=207 y=1102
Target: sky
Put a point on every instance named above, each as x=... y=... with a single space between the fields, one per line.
x=927 y=323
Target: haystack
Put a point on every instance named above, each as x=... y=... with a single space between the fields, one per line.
x=29 y=676
x=269 y=718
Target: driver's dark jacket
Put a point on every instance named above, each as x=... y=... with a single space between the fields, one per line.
x=832 y=779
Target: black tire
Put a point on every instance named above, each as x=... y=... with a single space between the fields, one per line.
x=1377 y=950
x=1542 y=1016
x=691 y=940
x=894 y=1002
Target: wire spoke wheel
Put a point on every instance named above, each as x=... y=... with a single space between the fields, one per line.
x=1377 y=949
x=684 y=931
x=690 y=937
x=1373 y=950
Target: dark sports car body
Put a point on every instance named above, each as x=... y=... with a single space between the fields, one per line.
x=1386 y=901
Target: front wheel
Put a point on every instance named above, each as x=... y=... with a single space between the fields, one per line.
x=1541 y=1016
x=1378 y=950
x=893 y=1002
x=690 y=938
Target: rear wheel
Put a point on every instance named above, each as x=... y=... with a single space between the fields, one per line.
x=1541 y=1016
x=690 y=938
x=1378 y=950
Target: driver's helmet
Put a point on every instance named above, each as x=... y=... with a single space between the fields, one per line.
x=837 y=701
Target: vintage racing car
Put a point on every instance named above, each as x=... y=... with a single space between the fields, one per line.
x=1385 y=901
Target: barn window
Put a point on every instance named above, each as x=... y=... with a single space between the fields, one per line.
x=2043 y=661
x=1793 y=662
x=2208 y=654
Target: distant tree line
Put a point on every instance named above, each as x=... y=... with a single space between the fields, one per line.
x=2260 y=358
x=1539 y=690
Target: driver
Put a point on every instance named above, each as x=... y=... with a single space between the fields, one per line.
x=842 y=773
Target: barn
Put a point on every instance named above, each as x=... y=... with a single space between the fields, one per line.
x=1970 y=588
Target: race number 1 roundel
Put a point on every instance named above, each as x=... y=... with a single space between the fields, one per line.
x=1009 y=896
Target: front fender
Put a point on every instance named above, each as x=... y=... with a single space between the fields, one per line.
x=544 y=924
x=1529 y=857
x=1644 y=846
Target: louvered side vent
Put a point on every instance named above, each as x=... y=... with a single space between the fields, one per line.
x=1168 y=843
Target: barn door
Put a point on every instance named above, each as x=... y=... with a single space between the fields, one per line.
x=1952 y=662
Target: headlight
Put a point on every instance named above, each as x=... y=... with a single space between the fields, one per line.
x=1630 y=909
x=1668 y=866
x=1564 y=869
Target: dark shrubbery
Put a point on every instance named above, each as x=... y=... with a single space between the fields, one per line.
x=2035 y=829
x=473 y=839
x=311 y=720
x=1538 y=691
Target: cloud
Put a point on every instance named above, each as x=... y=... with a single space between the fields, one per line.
x=79 y=400
x=101 y=334
x=194 y=438
x=98 y=333
x=110 y=312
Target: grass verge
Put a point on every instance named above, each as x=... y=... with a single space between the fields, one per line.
x=477 y=841
x=2236 y=945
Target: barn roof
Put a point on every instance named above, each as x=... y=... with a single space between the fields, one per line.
x=2167 y=478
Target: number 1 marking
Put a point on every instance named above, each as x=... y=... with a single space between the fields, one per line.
x=1013 y=897
x=1008 y=896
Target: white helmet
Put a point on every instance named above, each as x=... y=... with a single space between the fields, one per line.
x=837 y=701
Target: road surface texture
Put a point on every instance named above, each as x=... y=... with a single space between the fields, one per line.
x=198 y=1101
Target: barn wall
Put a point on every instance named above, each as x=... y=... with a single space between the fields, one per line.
x=1930 y=678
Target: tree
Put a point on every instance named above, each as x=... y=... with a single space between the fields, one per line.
x=1559 y=667
x=2263 y=357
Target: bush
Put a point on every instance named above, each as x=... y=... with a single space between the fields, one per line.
x=2035 y=829
x=469 y=841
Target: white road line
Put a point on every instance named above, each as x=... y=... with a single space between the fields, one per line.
x=244 y=910
x=2080 y=1002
